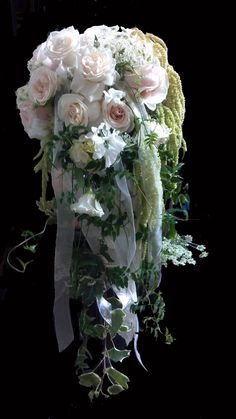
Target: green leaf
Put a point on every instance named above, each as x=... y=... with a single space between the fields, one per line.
x=168 y=337
x=117 y=317
x=85 y=322
x=90 y=288
x=98 y=331
x=117 y=356
x=31 y=248
x=115 y=389
x=79 y=176
x=89 y=379
x=118 y=377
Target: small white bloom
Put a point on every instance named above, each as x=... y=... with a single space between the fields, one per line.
x=161 y=130
x=78 y=154
x=87 y=204
x=107 y=144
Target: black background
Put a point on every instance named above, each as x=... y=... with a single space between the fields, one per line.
x=182 y=378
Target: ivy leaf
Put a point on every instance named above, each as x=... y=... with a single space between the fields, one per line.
x=89 y=379
x=85 y=322
x=118 y=377
x=117 y=317
x=117 y=356
x=169 y=338
x=31 y=248
x=94 y=393
x=98 y=331
x=89 y=288
x=115 y=389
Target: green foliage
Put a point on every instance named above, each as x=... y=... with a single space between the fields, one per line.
x=90 y=288
x=169 y=338
x=89 y=379
x=115 y=389
x=176 y=198
x=117 y=356
x=123 y=66
x=118 y=276
x=117 y=377
x=117 y=317
x=151 y=139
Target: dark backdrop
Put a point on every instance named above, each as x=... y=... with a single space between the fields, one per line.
x=37 y=381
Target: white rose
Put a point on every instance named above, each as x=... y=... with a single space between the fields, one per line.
x=40 y=58
x=22 y=94
x=90 y=90
x=97 y=66
x=117 y=113
x=151 y=81
x=72 y=110
x=63 y=45
x=87 y=204
x=37 y=121
x=42 y=85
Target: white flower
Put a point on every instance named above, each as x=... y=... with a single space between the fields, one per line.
x=161 y=130
x=36 y=120
x=42 y=85
x=22 y=94
x=63 y=45
x=40 y=58
x=104 y=34
x=97 y=66
x=107 y=144
x=78 y=154
x=90 y=90
x=117 y=113
x=151 y=82
x=72 y=110
x=87 y=204
x=176 y=251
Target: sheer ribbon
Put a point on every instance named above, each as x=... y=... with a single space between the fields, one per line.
x=62 y=184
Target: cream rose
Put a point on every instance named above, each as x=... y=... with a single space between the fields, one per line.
x=37 y=121
x=40 y=58
x=117 y=114
x=72 y=110
x=152 y=83
x=63 y=45
x=97 y=66
x=42 y=85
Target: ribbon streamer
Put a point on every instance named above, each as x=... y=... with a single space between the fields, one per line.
x=62 y=185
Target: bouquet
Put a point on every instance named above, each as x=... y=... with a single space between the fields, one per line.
x=108 y=110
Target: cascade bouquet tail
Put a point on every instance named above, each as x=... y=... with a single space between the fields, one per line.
x=108 y=110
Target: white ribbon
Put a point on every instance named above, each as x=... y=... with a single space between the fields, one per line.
x=62 y=183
